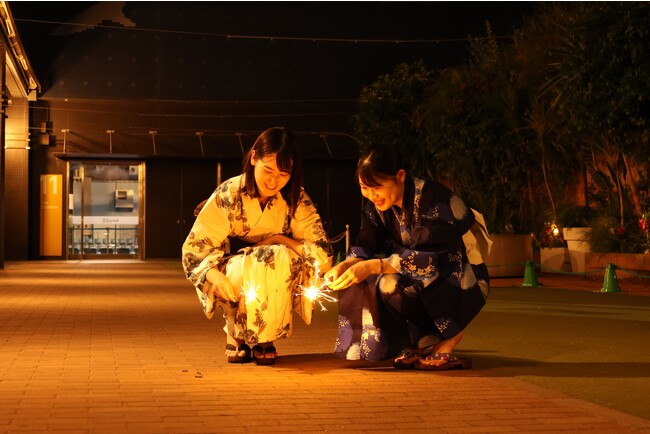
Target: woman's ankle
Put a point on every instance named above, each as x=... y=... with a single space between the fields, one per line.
x=448 y=345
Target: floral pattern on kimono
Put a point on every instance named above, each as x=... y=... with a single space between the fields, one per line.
x=438 y=292
x=270 y=276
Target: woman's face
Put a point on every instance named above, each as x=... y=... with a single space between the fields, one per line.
x=388 y=193
x=269 y=179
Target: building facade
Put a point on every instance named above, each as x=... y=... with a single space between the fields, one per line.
x=131 y=131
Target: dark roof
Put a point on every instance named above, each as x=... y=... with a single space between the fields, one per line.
x=223 y=51
x=229 y=68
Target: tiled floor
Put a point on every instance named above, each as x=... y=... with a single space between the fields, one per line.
x=123 y=347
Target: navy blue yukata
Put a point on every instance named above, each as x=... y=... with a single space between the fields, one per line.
x=437 y=291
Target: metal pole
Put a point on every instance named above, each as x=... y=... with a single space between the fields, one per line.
x=3 y=81
x=347 y=238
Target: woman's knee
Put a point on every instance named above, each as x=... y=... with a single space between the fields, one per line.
x=388 y=284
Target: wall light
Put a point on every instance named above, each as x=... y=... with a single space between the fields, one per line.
x=65 y=137
x=153 y=139
x=110 y=140
x=241 y=143
x=200 y=136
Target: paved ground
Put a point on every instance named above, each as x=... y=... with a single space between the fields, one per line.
x=123 y=347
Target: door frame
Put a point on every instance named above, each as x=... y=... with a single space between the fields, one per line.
x=141 y=209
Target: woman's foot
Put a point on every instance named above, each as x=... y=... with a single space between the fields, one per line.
x=441 y=354
x=448 y=345
x=237 y=351
x=408 y=358
x=264 y=353
x=442 y=362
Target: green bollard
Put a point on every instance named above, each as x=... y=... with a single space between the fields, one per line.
x=610 y=282
x=530 y=279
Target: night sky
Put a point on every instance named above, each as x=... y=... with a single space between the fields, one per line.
x=181 y=50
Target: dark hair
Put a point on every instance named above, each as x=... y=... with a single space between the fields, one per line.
x=378 y=163
x=281 y=142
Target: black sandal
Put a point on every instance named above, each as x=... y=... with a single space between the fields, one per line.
x=430 y=363
x=264 y=356
x=410 y=358
x=406 y=360
x=246 y=358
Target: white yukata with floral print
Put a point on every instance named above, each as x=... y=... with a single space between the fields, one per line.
x=270 y=276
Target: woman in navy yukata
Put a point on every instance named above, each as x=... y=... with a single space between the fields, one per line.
x=408 y=288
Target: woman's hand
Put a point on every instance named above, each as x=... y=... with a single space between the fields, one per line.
x=349 y=272
x=335 y=272
x=273 y=239
x=296 y=246
x=222 y=286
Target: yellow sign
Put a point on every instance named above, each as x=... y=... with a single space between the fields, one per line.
x=51 y=215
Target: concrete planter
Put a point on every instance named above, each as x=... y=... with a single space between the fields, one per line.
x=509 y=254
x=554 y=259
x=636 y=262
x=577 y=243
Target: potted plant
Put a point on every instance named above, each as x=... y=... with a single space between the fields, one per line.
x=554 y=254
x=574 y=220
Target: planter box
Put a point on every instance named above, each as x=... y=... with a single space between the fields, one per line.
x=576 y=239
x=509 y=254
x=636 y=262
x=554 y=259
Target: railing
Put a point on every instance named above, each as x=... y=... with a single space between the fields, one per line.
x=105 y=240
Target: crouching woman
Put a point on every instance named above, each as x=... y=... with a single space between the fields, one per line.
x=408 y=288
x=258 y=286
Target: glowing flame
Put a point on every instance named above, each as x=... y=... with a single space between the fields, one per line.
x=311 y=292
x=318 y=295
x=250 y=292
x=317 y=290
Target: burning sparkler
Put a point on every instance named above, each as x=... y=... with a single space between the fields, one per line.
x=250 y=292
x=317 y=290
x=250 y=288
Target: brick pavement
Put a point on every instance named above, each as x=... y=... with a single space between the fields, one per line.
x=122 y=347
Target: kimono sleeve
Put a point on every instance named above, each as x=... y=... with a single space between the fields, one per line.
x=436 y=242
x=207 y=241
x=307 y=227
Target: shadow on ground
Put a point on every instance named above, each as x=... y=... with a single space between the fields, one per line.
x=517 y=367
x=483 y=363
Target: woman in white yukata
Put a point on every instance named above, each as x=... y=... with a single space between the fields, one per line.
x=415 y=278
x=258 y=286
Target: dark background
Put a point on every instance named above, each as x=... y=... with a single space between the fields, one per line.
x=182 y=49
x=228 y=70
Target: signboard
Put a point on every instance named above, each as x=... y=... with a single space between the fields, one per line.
x=103 y=220
x=51 y=215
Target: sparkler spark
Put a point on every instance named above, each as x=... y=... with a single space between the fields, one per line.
x=250 y=292
x=318 y=295
x=316 y=292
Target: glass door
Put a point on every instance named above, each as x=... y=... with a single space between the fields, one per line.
x=103 y=209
